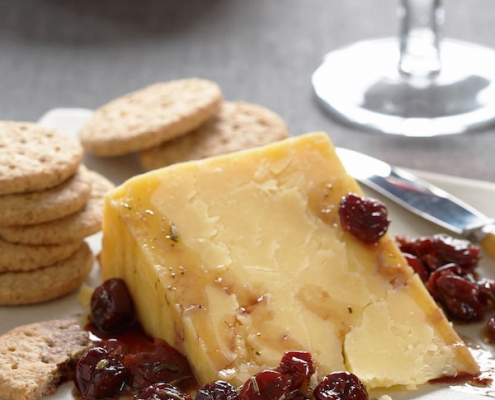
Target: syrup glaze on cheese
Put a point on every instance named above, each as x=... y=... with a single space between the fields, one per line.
x=125 y=361
x=235 y=260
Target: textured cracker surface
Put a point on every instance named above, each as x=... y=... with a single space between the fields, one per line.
x=71 y=228
x=34 y=358
x=47 y=283
x=237 y=126
x=33 y=157
x=46 y=205
x=25 y=257
x=149 y=116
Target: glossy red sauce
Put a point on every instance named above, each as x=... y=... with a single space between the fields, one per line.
x=148 y=360
x=134 y=337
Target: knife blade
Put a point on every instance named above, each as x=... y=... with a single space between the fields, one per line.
x=421 y=198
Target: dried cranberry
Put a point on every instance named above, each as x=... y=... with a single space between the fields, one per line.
x=460 y=252
x=363 y=217
x=451 y=269
x=441 y=249
x=421 y=247
x=112 y=308
x=161 y=364
x=298 y=366
x=98 y=375
x=266 y=385
x=417 y=266
x=490 y=329
x=217 y=390
x=340 y=386
x=487 y=291
x=460 y=298
x=162 y=391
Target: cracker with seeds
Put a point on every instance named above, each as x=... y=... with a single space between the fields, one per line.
x=237 y=126
x=34 y=157
x=36 y=358
x=68 y=229
x=51 y=282
x=46 y=205
x=149 y=116
x=23 y=257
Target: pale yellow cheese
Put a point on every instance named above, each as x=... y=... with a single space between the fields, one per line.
x=236 y=259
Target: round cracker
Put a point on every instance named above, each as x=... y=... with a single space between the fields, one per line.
x=48 y=283
x=71 y=228
x=23 y=257
x=149 y=116
x=46 y=205
x=34 y=157
x=36 y=358
x=237 y=126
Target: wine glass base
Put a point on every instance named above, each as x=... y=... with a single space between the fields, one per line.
x=361 y=85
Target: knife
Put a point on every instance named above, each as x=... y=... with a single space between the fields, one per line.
x=421 y=197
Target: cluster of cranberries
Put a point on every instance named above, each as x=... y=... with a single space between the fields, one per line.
x=445 y=264
x=156 y=371
x=288 y=381
x=283 y=383
x=121 y=362
x=447 y=267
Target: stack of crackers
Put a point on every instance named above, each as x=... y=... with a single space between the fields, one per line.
x=179 y=120
x=49 y=202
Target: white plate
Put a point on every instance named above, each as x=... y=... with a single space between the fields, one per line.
x=118 y=169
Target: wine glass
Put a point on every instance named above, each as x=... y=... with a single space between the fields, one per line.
x=416 y=85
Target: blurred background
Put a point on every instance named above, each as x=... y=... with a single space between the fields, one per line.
x=84 y=53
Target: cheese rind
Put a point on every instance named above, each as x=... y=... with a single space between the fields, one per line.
x=236 y=259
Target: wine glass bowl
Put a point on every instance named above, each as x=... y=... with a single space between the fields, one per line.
x=415 y=85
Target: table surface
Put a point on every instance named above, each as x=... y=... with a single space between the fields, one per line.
x=83 y=53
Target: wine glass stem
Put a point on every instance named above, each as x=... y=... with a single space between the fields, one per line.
x=419 y=37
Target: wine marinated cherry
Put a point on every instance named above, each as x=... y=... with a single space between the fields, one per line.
x=266 y=385
x=112 y=308
x=298 y=365
x=98 y=375
x=161 y=364
x=162 y=391
x=340 y=386
x=116 y=348
x=364 y=217
x=217 y=390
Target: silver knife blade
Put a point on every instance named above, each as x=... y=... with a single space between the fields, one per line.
x=419 y=196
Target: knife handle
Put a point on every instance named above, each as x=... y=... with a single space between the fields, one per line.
x=487 y=240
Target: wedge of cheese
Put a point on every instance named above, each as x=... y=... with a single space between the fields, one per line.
x=236 y=259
